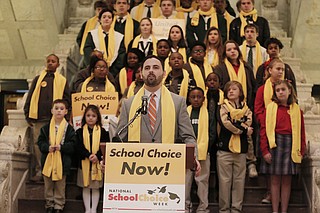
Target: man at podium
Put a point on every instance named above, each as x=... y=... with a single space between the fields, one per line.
x=164 y=117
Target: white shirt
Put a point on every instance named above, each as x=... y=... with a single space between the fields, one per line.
x=157 y=97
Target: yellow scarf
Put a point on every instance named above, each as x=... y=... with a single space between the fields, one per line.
x=184 y=83
x=295 y=117
x=267 y=92
x=244 y=23
x=203 y=132
x=131 y=89
x=154 y=43
x=258 y=55
x=128 y=30
x=123 y=80
x=235 y=114
x=59 y=84
x=168 y=117
x=229 y=19
x=90 y=25
x=212 y=13
x=195 y=5
x=108 y=86
x=156 y=12
x=241 y=77
x=53 y=164
x=197 y=75
x=181 y=11
x=108 y=56
x=96 y=173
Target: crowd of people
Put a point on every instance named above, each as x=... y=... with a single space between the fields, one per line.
x=221 y=85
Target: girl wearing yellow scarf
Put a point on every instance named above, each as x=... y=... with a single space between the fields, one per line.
x=146 y=41
x=177 y=42
x=89 y=172
x=235 y=69
x=105 y=39
x=235 y=118
x=264 y=94
x=98 y=81
x=213 y=41
x=282 y=142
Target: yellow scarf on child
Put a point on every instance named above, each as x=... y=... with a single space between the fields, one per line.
x=90 y=25
x=241 y=77
x=96 y=173
x=53 y=164
x=235 y=114
x=229 y=19
x=59 y=83
x=128 y=30
x=168 y=117
x=156 y=12
x=244 y=23
x=123 y=80
x=203 y=132
x=212 y=13
x=295 y=117
x=197 y=75
x=108 y=86
x=154 y=43
x=258 y=55
x=108 y=56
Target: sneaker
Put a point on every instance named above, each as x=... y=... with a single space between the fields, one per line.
x=267 y=198
x=252 y=171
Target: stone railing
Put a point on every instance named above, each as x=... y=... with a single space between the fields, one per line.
x=14 y=160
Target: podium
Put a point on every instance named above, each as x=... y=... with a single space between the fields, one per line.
x=146 y=177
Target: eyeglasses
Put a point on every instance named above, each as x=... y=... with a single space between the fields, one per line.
x=100 y=68
x=198 y=51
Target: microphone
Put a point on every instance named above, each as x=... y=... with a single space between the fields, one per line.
x=144 y=105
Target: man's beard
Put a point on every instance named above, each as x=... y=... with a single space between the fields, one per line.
x=151 y=80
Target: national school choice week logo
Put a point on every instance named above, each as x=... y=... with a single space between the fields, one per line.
x=159 y=196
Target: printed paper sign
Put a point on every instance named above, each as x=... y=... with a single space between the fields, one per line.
x=106 y=101
x=144 y=177
x=161 y=27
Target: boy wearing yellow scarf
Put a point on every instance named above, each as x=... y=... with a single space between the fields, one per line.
x=235 y=119
x=56 y=143
x=248 y=15
x=202 y=20
x=204 y=129
x=44 y=89
x=197 y=66
x=253 y=53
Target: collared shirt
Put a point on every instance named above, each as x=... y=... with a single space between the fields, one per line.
x=264 y=55
x=124 y=18
x=157 y=97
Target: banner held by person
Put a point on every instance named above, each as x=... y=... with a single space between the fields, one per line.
x=106 y=101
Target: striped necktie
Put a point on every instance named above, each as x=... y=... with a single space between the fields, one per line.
x=152 y=111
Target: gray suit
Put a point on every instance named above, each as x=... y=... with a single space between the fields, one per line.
x=183 y=130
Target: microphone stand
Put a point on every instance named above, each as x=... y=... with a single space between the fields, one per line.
x=138 y=112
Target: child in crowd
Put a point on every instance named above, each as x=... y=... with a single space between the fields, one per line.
x=136 y=84
x=214 y=46
x=197 y=66
x=177 y=41
x=203 y=128
x=46 y=87
x=178 y=80
x=163 y=51
x=88 y=148
x=235 y=119
x=56 y=143
x=167 y=9
x=126 y=74
x=274 y=47
x=282 y=142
